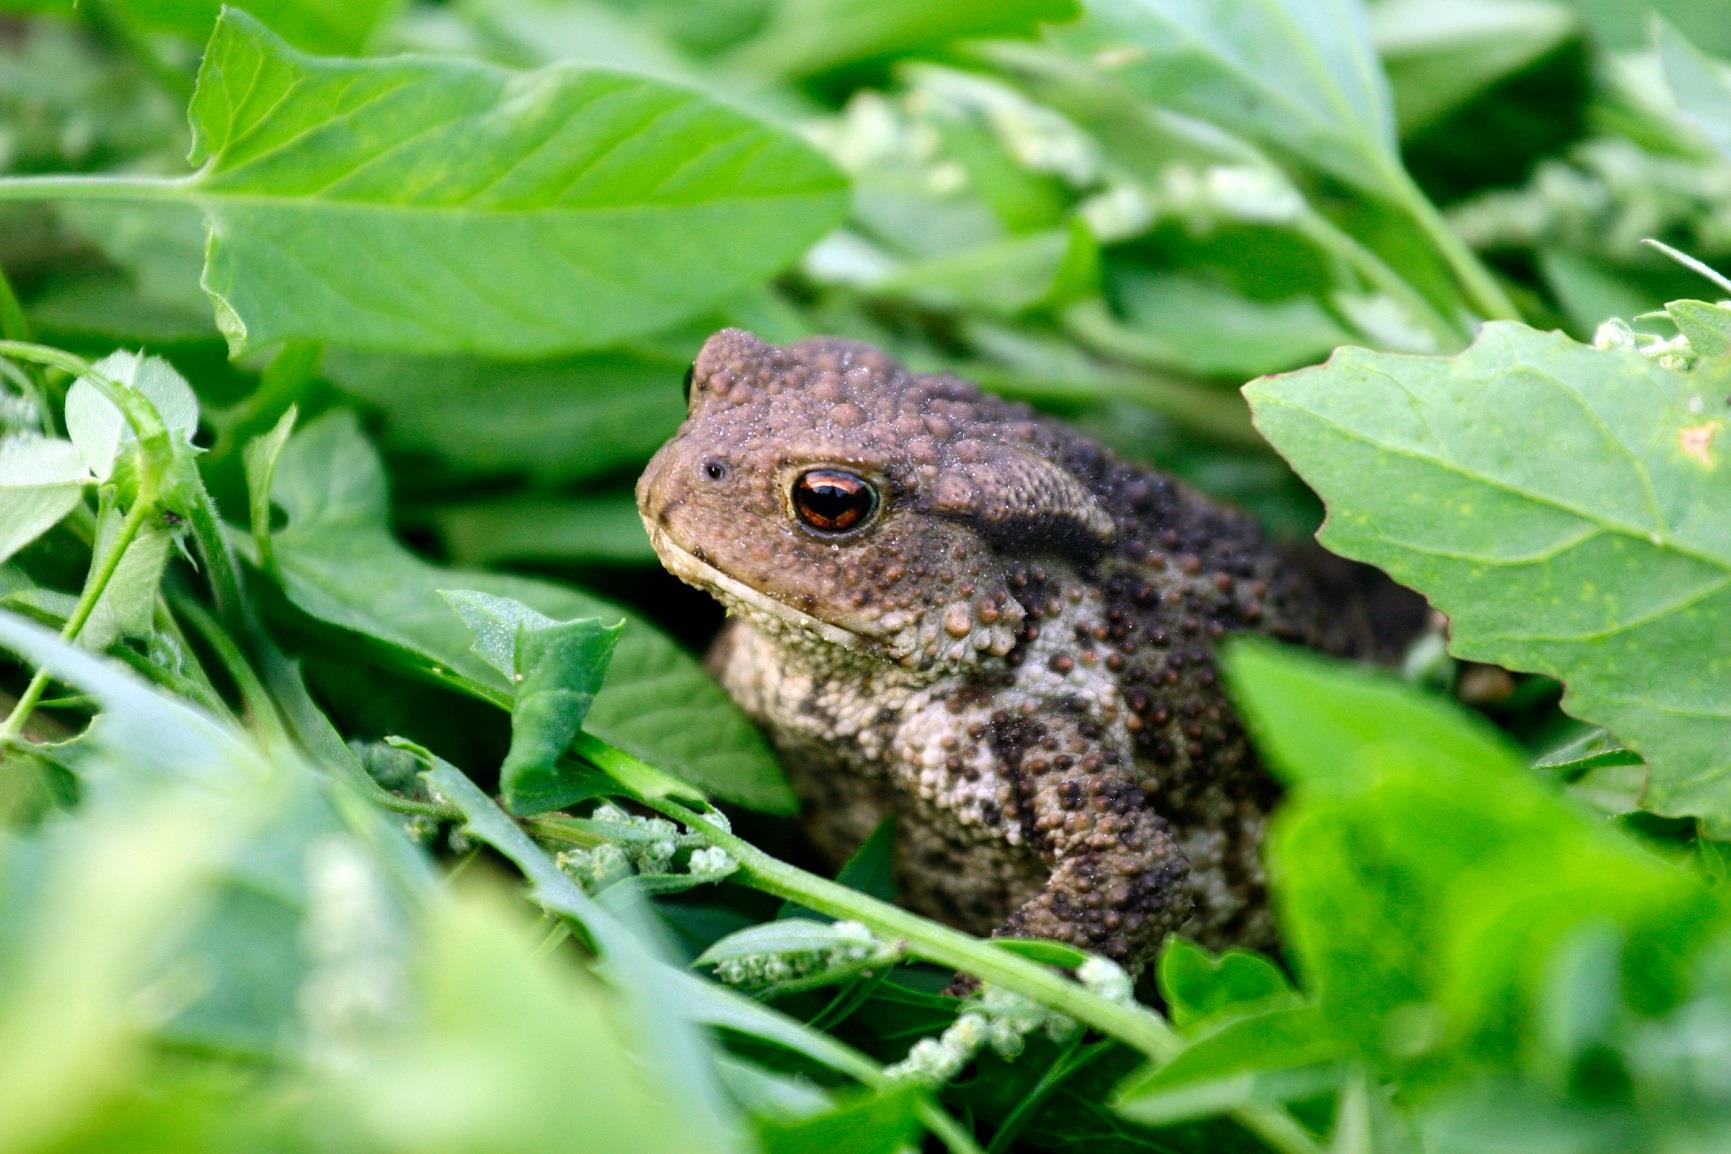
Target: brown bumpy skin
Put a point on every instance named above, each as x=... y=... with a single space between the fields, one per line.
x=1013 y=653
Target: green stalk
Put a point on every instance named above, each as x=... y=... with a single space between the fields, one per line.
x=78 y=186
x=1377 y=272
x=1482 y=289
x=141 y=510
x=1135 y=1026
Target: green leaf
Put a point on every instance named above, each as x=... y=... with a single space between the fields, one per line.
x=1591 y=749
x=1197 y=985
x=1441 y=57
x=259 y=459
x=1700 y=84
x=1335 y=737
x=1598 y=558
x=128 y=602
x=1277 y=1055
x=98 y=428
x=1421 y=895
x=804 y=37
x=41 y=480
x=1296 y=76
x=592 y=530
x=555 y=668
x=523 y=418
x=783 y=936
x=870 y=1122
x=518 y=1054
x=339 y=564
x=1708 y=326
x=440 y=205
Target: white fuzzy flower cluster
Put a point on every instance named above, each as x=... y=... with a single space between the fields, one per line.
x=353 y=938
x=1603 y=199
x=1002 y=1020
x=852 y=946
x=643 y=845
x=1107 y=979
x=1674 y=352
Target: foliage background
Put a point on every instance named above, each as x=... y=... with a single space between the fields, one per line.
x=414 y=322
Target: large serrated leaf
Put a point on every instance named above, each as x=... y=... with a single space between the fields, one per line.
x=1564 y=506
x=440 y=205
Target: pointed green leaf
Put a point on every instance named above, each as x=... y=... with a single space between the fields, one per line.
x=555 y=668
x=99 y=429
x=1708 y=326
x=41 y=480
x=260 y=458
x=1564 y=506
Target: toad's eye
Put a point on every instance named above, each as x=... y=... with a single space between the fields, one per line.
x=834 y=500
x=690 y=374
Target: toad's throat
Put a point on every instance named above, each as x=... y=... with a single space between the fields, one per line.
x=759 y=606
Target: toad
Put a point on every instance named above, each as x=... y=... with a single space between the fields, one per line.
x=946 y=608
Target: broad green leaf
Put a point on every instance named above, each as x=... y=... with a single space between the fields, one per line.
x=556 y=420
x=99 y=429
x=591 y=530
x=1002 y=277
x=1596 y=554
x=316 y=25
x=441 y=205
x=554 y=668
x=1440 y=57
x=1277 y=1055
x=1244 y=336
x=1420 y=903
x=1334 y=739
x=1296 y=76
x=810 y=36
x=41 y=480
x=1198 y=985
x=339 y=564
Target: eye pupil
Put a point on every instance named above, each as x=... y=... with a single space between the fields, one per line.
x=834 y=500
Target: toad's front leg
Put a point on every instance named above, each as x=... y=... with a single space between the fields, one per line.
x=1061 y=784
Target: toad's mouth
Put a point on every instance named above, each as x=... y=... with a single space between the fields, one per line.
x=735 y=594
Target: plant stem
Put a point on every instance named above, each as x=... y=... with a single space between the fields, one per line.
x=1481 y=288
x=1134 y=1026
x=93 y=187
x=141 y=510
x=1377 y=272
